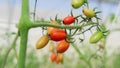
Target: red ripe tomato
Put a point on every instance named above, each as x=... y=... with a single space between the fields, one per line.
x=62 y=46
x=69 y=20
x=53 y=57
x=57 y=34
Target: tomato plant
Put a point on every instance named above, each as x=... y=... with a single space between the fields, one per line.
x=57 y=34
x=42 y=42
x=62 y=46
x=97 y=36
x=69 y=20
x=60 y=33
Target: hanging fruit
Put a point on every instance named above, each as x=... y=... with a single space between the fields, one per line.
x=77 y=3
x=88 y=12
x=62 y=46
x=42 y=42
x=57 y=34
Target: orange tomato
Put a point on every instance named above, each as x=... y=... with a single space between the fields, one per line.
x=57 y=60
x=62 y=46
x=53 y=57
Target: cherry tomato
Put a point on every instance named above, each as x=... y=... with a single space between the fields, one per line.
x=49 y=29
x=77 y=3
x=61 y=55
x=57 y=60
x=62 y=46
x=42 y=42
x=97 y=36
x=53 y=57
x=51 y=47
x=69 y=20
x=88 y=12
x=57 y=34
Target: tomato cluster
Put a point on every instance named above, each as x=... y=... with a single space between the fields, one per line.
x=58 y=36
x=61 y=36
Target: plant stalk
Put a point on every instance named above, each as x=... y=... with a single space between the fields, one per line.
x=23 y=48
x=23 y=27
x=81 y=55
x=9 y=50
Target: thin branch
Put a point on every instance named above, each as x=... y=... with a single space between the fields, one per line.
x=81 y=55
x=47 y=23
x=34 y=10
x=8 y=51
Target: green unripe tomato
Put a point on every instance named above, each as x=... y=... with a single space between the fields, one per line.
x=97 y=36
x=77 y=3
x=88 y=12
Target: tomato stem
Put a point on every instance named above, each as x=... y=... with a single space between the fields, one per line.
x=81 y=55
x=105 y=53
x=9 y=50
x=47 y=23
x=23 y=27
x=23 y=48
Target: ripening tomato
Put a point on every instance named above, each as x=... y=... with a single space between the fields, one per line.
x=88 y=12
x=57 y=34
x=61 y=55
x=42 y=42
x=49 y=29
x=77 y=3
x=51 y=47
x=97 y=36
x=69 y=20
x=62 y=46
x=57 y=60
x=53 y=57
